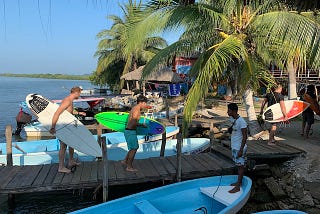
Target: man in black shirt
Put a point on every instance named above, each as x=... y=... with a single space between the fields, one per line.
x=308 y=114
x=273 y=98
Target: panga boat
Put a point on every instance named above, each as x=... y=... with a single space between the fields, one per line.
x=204 y=195
x=46 y=151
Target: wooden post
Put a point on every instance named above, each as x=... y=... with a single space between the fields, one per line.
x=179 y=167
x=11 y=197
x=163 y=144
x=211 y=136
x=105 y=170
x=9 y=145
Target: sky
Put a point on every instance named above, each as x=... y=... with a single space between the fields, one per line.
x=54 y=36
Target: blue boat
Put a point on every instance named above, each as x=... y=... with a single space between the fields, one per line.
x=204 y=195
x=281 y=212
x=46 y=151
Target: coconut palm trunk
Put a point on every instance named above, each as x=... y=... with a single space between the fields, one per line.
x=292 y=86
x=253 y=124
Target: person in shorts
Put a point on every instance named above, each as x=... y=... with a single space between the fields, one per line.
x=272 y=98
x=130 y=132
x=308 y=114
x=238 y=143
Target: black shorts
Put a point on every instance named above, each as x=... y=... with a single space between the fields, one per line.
x=308 y=117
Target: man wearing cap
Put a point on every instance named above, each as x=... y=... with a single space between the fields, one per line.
x=66 y=104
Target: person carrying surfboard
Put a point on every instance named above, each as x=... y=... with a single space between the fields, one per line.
x=66 y=104
x=130 y=132
x=273 y=98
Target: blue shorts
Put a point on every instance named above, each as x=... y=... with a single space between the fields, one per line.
x=131 y=138
x=239 y=161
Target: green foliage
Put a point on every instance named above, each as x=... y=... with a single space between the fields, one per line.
x=236 y=38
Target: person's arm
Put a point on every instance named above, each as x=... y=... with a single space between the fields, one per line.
x=263 y=104
x=244 y=141
x=283 y=110
x=64 y=105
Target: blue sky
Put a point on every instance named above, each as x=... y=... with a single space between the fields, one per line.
x=53 y=36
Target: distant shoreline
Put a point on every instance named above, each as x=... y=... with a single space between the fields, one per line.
x=49 y=76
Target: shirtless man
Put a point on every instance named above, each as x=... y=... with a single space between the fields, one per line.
x=66 y=104
x=131 y=132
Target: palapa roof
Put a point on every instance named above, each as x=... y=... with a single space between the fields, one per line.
x=164 y=74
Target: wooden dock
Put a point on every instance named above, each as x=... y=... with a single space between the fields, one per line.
x=42 y=178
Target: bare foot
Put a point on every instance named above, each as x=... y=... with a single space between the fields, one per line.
x=73 y=163
x=131 y=169
x=64 y=170
x=235 y=189
x=123 y=162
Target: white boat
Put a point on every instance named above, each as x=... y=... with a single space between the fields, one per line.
x=203 y=195
x=46 y=151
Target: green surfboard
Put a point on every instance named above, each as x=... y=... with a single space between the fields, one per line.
x=117 y=121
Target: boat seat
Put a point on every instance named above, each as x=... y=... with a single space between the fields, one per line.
x=221 y=194
x=146 y=207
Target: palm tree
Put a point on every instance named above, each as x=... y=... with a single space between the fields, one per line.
x=113 y=47
x=248 y=33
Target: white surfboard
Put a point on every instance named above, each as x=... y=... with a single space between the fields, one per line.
x=68 y=128
x=274 y=114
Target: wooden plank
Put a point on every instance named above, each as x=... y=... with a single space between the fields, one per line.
x=146 y=168
x=196 y=163
x=8 y=174
x=100 y=172
x=159 y=167
x=86 y=172
x=77 y=175
x=122 y=173
x=16 y=180
x=67 y=178
x=58 y=178
x=41 y=175
x=30 y=177
x=112 y=172
x=94 y=172
x=170 y=168
x=51 y=174
x=205 y=162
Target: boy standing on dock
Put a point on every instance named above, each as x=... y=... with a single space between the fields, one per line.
x=131 y=132
x=66 y=104
x=238 y=132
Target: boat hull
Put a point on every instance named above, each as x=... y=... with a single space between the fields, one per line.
x=183 y=197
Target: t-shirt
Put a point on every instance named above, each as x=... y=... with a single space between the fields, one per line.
x=236 y=136
x=313 y=96
x=273 y=98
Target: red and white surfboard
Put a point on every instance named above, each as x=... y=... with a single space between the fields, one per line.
x=274 y=114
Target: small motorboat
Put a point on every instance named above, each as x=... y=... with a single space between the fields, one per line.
x=203 y=195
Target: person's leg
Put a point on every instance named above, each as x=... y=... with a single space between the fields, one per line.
x=62 y=153
x=131 y=155
x=272 y=134
x=72 y=161
x=238 y=184
x=303 y=127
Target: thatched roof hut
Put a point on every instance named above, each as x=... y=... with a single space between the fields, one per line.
x=164 y=75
